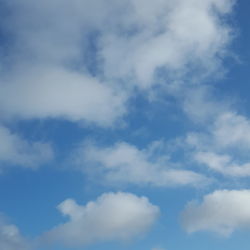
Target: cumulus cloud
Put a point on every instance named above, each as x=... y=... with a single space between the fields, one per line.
x=14 y=150
x=10 y=237
x=67 y=63
x=83 y=61
x=222 y=211
x=170 y=35
x=58 y=93
x=113 y=216
x=125 y=163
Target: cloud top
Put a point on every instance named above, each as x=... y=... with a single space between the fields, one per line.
x=222 y=211
x=113 y=216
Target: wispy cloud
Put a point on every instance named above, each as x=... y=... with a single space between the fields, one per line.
x=16 y=151
x=224 y=146
x=124 y=163
x=10 y=237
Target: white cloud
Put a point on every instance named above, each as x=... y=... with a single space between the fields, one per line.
x=16 y=151
x=223 y=212
x=10 y=237
x=173 y=35
x=52 y=64
x=224 y=146
x=124 y=163
x=227 y=130
x=58 y=93
x=81 y=61
x=232 y=130
x=223 y=164
x=113 y=216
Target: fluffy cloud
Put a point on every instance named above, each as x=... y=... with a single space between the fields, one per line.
x=113 y=216
x=168 y=35
x=10 y=238
x=60 y=93
x=223 y=212
x=124 y=163
x=67 y=63
x=83 y=61
x=16 y=151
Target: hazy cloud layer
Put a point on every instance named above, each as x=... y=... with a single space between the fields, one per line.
x=222 y=211
x=113 y=216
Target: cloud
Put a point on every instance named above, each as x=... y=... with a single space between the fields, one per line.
x=113 y=216
x=228 y=130
x=83 y=61
x=58 y=93
x=232 y=130
x=16 y=151
x=222 y=211
x=124 y=163
x=175 y=36
x=67 y=63
x=223 y=164
x=224 y=146
x=201 y=105
x=10 y=237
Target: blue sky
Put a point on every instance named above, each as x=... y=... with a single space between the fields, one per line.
x=124 y=125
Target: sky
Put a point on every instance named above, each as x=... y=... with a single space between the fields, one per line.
x=124 y=125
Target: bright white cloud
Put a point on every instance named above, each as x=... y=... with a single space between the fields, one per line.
x=223 y=212
x=113 y=216
x=17 y=151
x=10 y=237
x=124 y=163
